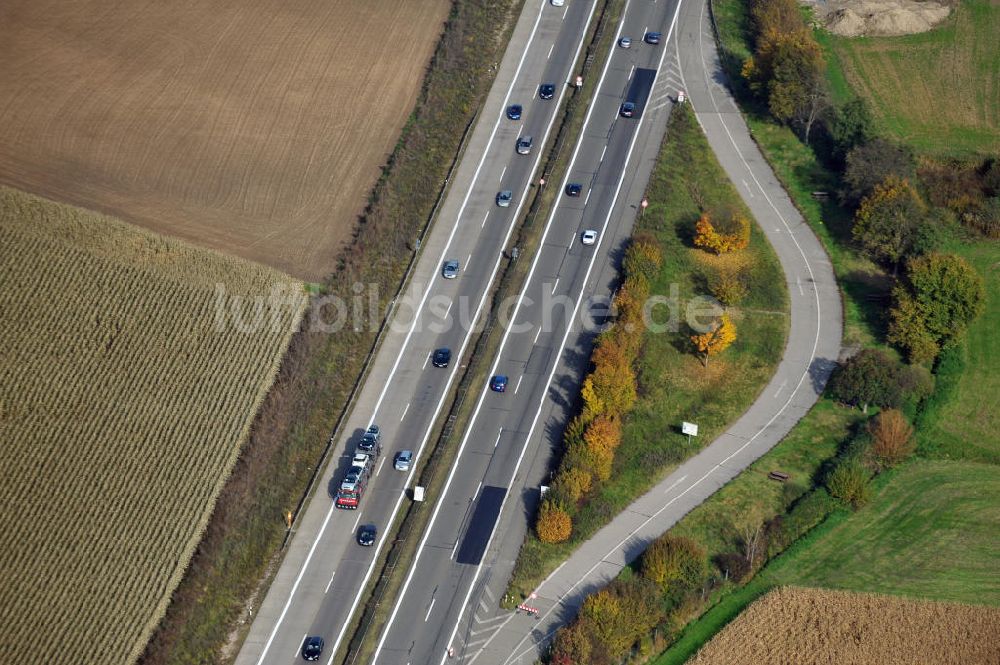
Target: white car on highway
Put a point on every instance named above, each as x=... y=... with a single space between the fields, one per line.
x=588 y=237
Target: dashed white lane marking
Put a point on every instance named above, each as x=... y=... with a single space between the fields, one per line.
x=428 y=615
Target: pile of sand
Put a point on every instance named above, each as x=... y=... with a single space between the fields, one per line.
x=880 y=18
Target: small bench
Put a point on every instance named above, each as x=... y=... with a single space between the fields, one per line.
x=780 y=476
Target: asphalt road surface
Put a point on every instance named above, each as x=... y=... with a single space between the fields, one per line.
x=425 y=621
x=318 y=584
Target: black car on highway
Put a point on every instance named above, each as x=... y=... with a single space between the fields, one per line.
x=628 y=110
x=441 y=357
x=547 y=91
x=653 y=37
x=366 y=535
x=514 y=111
x=312 y=648
x=574 y=189
x=370 y=441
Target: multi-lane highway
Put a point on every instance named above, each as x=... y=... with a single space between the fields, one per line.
x=434 y=602
x=324 y=571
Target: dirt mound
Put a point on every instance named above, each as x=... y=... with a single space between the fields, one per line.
x=880 y=18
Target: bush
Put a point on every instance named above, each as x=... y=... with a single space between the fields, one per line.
x=730 y=232
x=849 y=482
x=849 y=126
x=868 y=377
x=870 y=164
x=728 y=277
x=892 y=223
x=940 y=296
x=607 y=617
x=610 y=388
x=734 y=565
x=554 y=524
x=892 y=438
x=806 y=512
x=572 y=484
x=671 y=560
x=983 y=218
x=571 y=645
x=643 y=258
x=954 y=185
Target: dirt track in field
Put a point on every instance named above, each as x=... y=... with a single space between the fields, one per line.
x=256 y=127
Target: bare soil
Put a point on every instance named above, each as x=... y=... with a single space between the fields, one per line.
x=879 y=18
x=256 y=127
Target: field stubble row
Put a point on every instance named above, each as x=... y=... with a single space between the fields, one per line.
x=801 y=625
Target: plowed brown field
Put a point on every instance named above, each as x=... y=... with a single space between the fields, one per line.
x=792 y=625
x=252 y=126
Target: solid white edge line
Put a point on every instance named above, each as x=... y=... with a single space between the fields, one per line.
x=298 y=648
x=451 y=473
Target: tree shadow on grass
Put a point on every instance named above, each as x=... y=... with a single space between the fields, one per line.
x=872 y=294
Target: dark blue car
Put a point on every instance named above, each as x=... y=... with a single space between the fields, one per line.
x=498 y=383
x=312 y=648
x=514 y=111
x=441 y=357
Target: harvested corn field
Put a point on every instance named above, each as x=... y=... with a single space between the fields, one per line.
x=255 y=127
x=795 y=625
x=126 y=390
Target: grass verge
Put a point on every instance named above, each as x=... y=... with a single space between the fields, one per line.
x=673 y=384
x=242 y=545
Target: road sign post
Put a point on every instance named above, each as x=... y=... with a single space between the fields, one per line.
x=690 y=429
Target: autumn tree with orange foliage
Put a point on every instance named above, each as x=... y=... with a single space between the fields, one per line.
x=721 y=335
x=610 y=388
x=729 y=233
x=603 y=437
x=554 y=524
